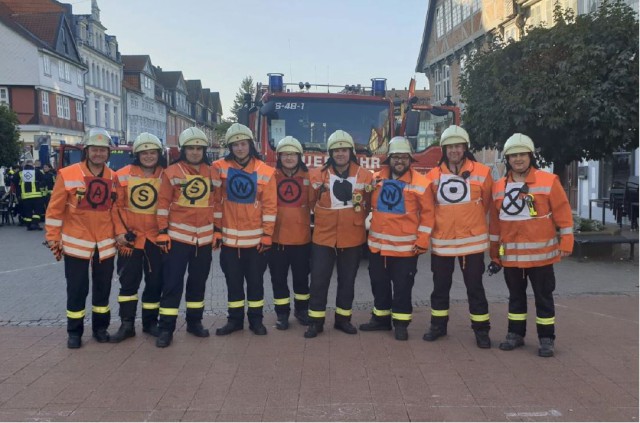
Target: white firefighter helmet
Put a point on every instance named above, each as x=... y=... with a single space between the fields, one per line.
x=518 y=143
x=146 y=141
x=97 y=137
x=289 y=145
x=193 y=136
x=238 y=132
x=399 y=145
x=340 y=139
x=454 y=135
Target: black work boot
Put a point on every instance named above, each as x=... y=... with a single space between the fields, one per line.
x=101 y=335
x=282 y=322
x=482 y=338
x=435 y=332
x=230 y=327
x=164 y=339
x=196 y=328
x=302 y=316
x=313 y=329
x=546 y=347
x=151 y=328
x=345 y=326
x=401 y=333
x=511 y=342
x=126 y=330
x=74 y=341
x=257 y=327
x=376 y=323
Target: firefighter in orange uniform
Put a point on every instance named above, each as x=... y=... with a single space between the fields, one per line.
x=342 y=205
x=529 y=206
x=460 y=192
x=397 y=236
x=292 y=234
x=134 y=218
x=186 y=235
x=246 y=209
x=79 y=226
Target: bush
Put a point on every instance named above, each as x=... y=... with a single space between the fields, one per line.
x=586 y=225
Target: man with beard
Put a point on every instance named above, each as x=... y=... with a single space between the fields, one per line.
x=80 y=227
x=398 y=235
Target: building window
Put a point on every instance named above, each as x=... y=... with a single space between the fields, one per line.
x=4 y=95
x=106 y=116
x=456 y=13
x=438 y=85
x=97 y=113
x=59 y=106
x=535 y=14
x=47 y=64
x=439 y=22
x=44 y=95
x=79 y=117
x=66 y=110
x=446 y=80
x=80 y=78
x=61 y=70
x=447 y=15
x=116 y=118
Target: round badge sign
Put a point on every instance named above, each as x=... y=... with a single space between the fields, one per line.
x=512 y=204
x=241 y=186
x=391 y=195
x=97 y=193
x=289 y=191
x=454 y=190
x=143 y=196
x=195 y=189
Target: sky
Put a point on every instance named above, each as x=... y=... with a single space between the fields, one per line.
x=220 y=42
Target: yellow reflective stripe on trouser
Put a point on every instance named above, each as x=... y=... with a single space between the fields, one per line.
x=99 y=309
x=317 y=314
x=401 y=316
x=235 y=304
x=281 y=301
x=479 y=317
x=301 y=297
x=381 y=313
x=516 y=316
x=168 y=311
x=150 y=306
x=439 y=313
x=545 y=320
x=124 y=298
x=343 y=312
x=195 y=304
x=75 y=314
x=259 y=303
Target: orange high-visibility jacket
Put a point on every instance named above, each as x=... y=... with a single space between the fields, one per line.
x=295 y=202
x=400 y=218
x=246 y=203
x=135 y=209
x=185 y=204
x=461 y=206
x=530 y=241
x=337 y=225
x=82 y=226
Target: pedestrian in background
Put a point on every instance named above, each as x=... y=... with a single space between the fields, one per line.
x=530 y=208
x=79 y=226
x=48 y=181
x=460 y=194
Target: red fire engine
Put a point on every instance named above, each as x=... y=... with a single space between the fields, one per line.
x=280 y=109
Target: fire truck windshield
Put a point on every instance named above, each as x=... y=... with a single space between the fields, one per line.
x=313 y=120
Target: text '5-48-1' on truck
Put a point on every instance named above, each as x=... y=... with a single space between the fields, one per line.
x=311 y=113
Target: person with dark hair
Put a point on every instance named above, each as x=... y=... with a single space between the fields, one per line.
x=80 y=227
x=246 y=209
x=341 y=208
x=185 y=235
x=48 y=181
x=136 y=226
x=459 y=192
x=292 y=234
x=397 y=236
x=529 y=207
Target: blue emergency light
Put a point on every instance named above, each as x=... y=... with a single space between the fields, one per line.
x=378 y=86
x=275 y=82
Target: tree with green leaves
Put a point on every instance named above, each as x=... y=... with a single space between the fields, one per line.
x=221 y=129
x=573 y=87
x=246 y=87
x=10 y=145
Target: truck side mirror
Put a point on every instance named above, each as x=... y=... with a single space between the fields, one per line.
x=413 y=123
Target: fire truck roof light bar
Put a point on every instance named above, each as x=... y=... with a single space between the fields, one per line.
x=277 y=85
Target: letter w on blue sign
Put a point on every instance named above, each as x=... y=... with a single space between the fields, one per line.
x=242 y=186
x=391 y=197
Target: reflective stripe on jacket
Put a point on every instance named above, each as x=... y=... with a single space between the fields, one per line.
x=533 y=242
x=396 y=233
x=184 y=223
x=460 y=228
x=339 y=227
x=244 y=224
x=80 y=230
x=293 y=223
x=144 y=225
